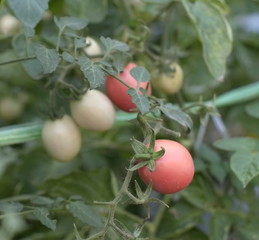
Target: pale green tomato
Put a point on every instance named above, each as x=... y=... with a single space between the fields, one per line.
x=10 y=109
x=94 y=111
x=9 y=24
x=170 y=83
x=94 y=48
x=61 y=138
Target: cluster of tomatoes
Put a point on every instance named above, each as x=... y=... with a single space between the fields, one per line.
x=61 y=138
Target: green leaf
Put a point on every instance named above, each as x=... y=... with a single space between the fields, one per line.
x=200 y=193
x=71 y=22
x=140 y=100
x=10 y=207
x=68 y=57
x=80 y=42
x=237 y=144
x=252 y=109
x=174 y=113
x=49 y=58
x=28 y=32
x=249 y=230
x=140 y=74
x=92 y=72
x=78 y=237
x=245 y=164
x=214 y=33
x=219 y=227
x=29 y=12
x=32 y=67
x=95 y=10
x=95 y=185
x=114 y=45
x=85 y=213
x=42 y=215
x=170 y=227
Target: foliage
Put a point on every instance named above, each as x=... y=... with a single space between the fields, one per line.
x=215 y=115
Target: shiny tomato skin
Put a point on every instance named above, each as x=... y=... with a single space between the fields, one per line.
x=117 y=91
x=174 y=171
x=94 y=111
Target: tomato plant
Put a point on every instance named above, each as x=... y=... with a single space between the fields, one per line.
x=171 y=81
x=61 y=138
x=174 y=171
x=117 y=91
x=51 y=58
x=94 y=111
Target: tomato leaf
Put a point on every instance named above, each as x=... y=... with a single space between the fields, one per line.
x=140 y=100
x=245 y=164
x=92 y=72
x=68 y=57
x=214 y=33
x=219 y=226
x=29 y=12
x=95 y=10
x=252 y=109
x=140 y=74
x=80 y=42
x=177 y=115
x=49 y=58
x=114 y=45
x=70 y=22
x=85 y=213
x=10 y=207
x=33 y=67
x=95 y=185
x=42 y=215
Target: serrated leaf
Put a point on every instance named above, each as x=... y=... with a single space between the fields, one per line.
x=140 y=74
x=177 y=115
x=214 y=33
x=71 y=22
x=95 y=185
x=138 y=146
x=92 y=72
x=114 y=45
x=245 y=164
x=219 y=227
x=49 y=58
x=68 y=57
x=43 y=201
x=95 y=10
x=42 y=215
x=140 y=100
x=29 y=12
x=85 y=213
x=237 y=144
x=10 y=207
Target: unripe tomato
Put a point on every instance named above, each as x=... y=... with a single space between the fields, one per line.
x=174 y=171
x=94 y=111
x=10 y=108
x=61 y=138
x=117 y=91
x=170 y=83
x=9 y=24
x=94 y=48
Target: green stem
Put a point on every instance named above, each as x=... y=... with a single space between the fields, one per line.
x=17 y=60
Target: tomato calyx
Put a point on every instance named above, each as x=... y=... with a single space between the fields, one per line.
x=145 y=155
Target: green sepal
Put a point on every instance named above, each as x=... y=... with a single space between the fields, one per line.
x=139 y=191
x=158 y=154
x=138 y=147
x=138 y=165
x=151 y=165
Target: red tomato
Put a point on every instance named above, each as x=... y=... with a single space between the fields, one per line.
x=117 y=91
x=174 y=171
